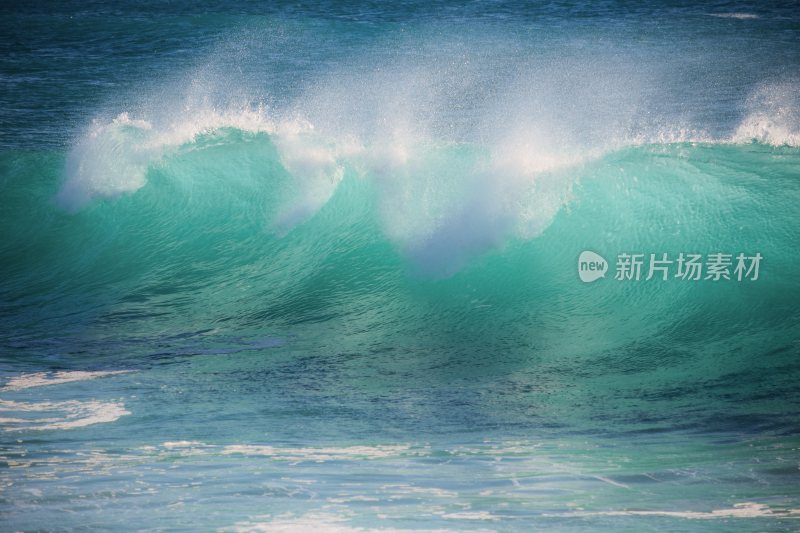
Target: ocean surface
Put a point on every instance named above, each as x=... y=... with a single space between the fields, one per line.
x=314 y=266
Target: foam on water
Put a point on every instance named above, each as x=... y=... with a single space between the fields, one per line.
x=70 y=414
x=329 y=522
x=773 y=116
x=290 y=454
x=19 y=416
x=739 y=510
x=317 y=454
x=40 y=379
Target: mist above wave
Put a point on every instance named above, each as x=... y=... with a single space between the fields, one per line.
x=465 y=145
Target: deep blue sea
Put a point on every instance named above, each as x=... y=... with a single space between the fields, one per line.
x=393 y=267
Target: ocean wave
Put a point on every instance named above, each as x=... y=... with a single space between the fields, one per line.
x=441 y=203
x=316 y=148
x=450 y=181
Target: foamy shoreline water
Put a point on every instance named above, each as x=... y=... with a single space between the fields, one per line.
x=41 y=379
x=19 y=416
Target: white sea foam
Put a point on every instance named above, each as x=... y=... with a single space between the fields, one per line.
x=766 y=128
x=183 y=444
x=319 y=521
x=71 y=414
x=740 y=16
x=428 y=491
x=317 y=454
x=470 y=515
x=773 y=116
x=291 y=454
x=315 y=166
x=40 y=379
x=48 y=415
x=110 y=159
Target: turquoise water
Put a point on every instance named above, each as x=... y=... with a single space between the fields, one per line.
x=292 y=268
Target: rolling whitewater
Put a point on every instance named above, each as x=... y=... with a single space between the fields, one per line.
x=271 y=267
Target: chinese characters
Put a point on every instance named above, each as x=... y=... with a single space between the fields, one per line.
x=716 y=266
